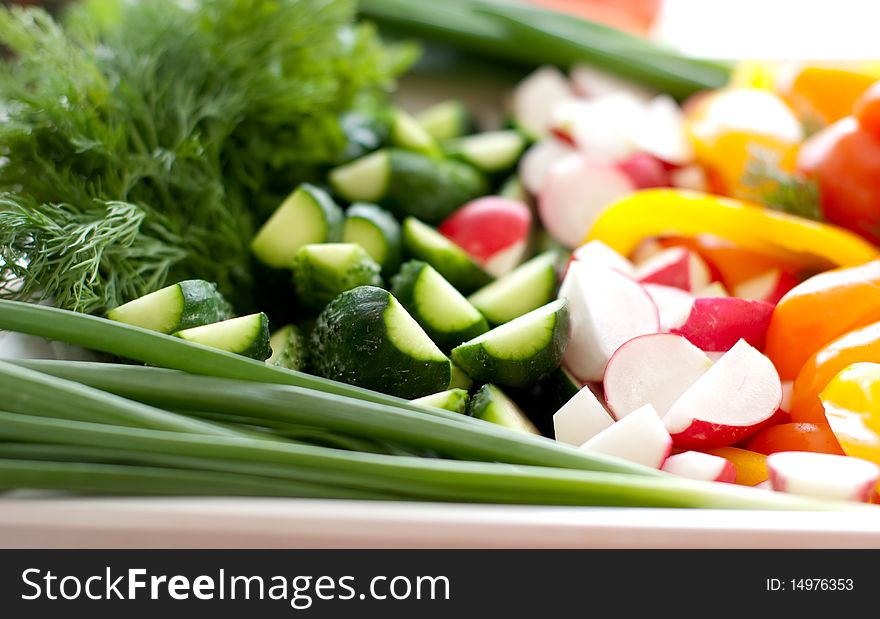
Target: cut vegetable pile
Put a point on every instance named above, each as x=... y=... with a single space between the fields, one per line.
x=579 y=308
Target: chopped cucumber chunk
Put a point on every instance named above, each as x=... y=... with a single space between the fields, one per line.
x=452 y=262
x=186 y=304
x=321 y=272
x=437 y=306
x=491 y=404
x=365 y=179
x=378 y=232
x=407 y=133
x=521 y=352
x=454 y=400
x=246 y=335
x=365 y=337
x=527 y=287
x=459 y=380
x=308 y=215
x=409 y=183
x=446 y=120
x=491 y=152
x=513 y=188
x=288 y=348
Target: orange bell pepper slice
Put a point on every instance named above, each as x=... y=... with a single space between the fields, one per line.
x=818 y=311
x=815 y=437
x=751 y=467
x=859 y=345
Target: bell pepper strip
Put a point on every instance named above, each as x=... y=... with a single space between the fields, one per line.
x=818 y=311
x=822 y=95
x=815 y=437
x=859 y=345
x=670 y=212
x=852 y=407
x=751 y=467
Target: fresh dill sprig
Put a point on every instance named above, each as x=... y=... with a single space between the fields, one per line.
x=146 y=141
x=779 y=190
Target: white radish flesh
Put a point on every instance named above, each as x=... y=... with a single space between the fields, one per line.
x=576 y=191
x=727 y=403
x=822 y=476
x=652 y=369
x=678 y=267
x=607 y=309
x=701 y=466
x=769 y=287
x=538 y=159
x=639 y=437
x=536 y=98
x=588 y=81
x=581 y=418
x=661 y=132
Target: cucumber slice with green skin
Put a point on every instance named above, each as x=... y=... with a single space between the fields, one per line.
x=451 y=261
x=322 y=271
x=527 y=287
x=365 y=337
x=308 y=215
x=492 y=152
x=443 y=312
x=378 y=232
x=514 y=189
x=491 y=404
x=521 y=352
x=459 y=380
x=288 y=348
x=446 y=120
x=367 y=126
x=245 y=335
x=454 y=400
x=409 y=183
x=541 y=401
x=408 y=134
x=186 y=304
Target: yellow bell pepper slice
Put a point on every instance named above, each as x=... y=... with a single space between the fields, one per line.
x=852 y=408
x=672 y=212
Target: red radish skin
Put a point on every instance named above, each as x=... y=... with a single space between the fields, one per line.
x=769 y=287
x=677 y=267
x=576 y=190
x=639 y=437
x=538 y=159
x=652 y=369
x=728 y=403
x=822 y=476
x=716 y=324
x=701 y=466
x=644 y=170
x=488 y=227
x=607 y=309
x=581 y=418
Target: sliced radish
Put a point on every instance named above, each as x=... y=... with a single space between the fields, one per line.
x=644 y=170
x=669 y=302
x=493 y=230
x=715 y=289
x=646 y=249
x=727 y=403
x=597 y=252
x=770 y=286
x=538 y=159
x=589 y=81
x=581 y=418
x=607 y=309
x=576 y=190
x=639 y=437
x=652 y=369
x=823 y=476
x=701 y=466
x=536 y=98
x=677 y=266
x=717 y=323
x=661 y=132
x=602 y=127
x=689 y=177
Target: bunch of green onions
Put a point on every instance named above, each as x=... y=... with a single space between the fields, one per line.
x=198 y=421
